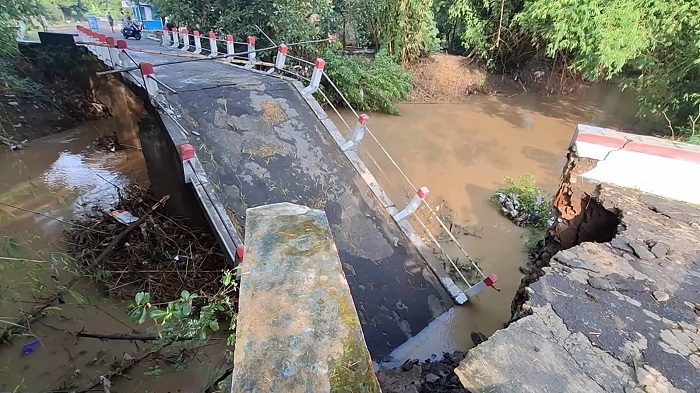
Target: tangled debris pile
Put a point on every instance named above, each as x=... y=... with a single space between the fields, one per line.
x=135 y=247
x=424 y=377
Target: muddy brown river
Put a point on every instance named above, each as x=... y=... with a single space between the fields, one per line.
x=58 y=177
x=460 y=151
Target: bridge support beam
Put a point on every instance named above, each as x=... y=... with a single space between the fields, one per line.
x=197 y=43
x=297 y=329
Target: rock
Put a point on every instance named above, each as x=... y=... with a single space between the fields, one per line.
x=621 y=243
x=431 y=378
x=13 y=103
x=478 y=338
x=601 y=283
x=660 y=250
x=641 y=251
x=660 y=296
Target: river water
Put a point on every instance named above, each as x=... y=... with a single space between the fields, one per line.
x=58 y=177
x=462 y=152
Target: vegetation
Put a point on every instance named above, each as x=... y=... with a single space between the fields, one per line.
x=523 y=202
x=191 y=316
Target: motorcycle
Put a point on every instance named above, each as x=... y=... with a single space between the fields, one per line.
x=131 y=30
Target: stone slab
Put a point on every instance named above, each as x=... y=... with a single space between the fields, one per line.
x=297 y=329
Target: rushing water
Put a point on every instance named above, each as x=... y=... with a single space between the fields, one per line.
x=462 y=152
x=58 y=177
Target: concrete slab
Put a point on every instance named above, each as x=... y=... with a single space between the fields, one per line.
x=261 y=143
x=308 y=339
x=618 y=315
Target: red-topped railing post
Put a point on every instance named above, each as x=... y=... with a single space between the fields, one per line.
x=251 y=51
x=413 y=204
x=357 y=134
x=213 y=49
x=176 y=39
x=230 y=50
x=315 y=82
x=185 y=39
x=197 y=43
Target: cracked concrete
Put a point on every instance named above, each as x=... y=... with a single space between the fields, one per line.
x=610 y=304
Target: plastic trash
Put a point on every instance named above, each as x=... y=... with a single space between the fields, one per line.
x=123 y=216
x=31 y=347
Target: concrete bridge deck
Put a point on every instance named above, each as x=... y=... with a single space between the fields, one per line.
x=260 y=143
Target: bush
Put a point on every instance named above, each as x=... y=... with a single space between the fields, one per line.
x=368 y=85
x=524 y=203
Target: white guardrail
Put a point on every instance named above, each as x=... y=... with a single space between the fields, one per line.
x=114 y=53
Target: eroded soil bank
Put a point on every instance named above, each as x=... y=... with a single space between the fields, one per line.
x=610 y=302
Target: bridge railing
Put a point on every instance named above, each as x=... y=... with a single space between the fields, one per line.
x=413 y=208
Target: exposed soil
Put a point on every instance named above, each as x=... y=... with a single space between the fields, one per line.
x=450 y=79
x=60 y=93
x=424 y=377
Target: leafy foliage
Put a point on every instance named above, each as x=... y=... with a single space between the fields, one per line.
x=178 y=319
x=369 y=85
x=532 y=204
x=651 y=47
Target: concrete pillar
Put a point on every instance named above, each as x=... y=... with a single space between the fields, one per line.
x=297 y=329
x=176 y=38
x=358 y=134
x=412 y=204
x=102 y=52
x=150 y=84
x=213 y=50
x=487 y=282
x=316 y=75
x=124 y=60
x=251 y=51
x=165 y=38
x=197 y=43
x=187 y=153
x=113 y=57
x=281 y=56
x=230 y=49
x=185 y=39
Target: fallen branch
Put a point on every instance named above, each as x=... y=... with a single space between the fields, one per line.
x=128 y=337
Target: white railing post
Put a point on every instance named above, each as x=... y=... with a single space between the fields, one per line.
x=214 y=51
x=149 y=84
x=197 y=43
x=185 y=39
x=176 y=40
x=412 y=204
x=313 y=86
x=91 y=40
x=165 y=37
x=487 y=282
x=230 y=50
x=113 y=53
x=251 y=51
x=123 y=57
x=101 y=49
x=357 y=134
x=281 y=56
